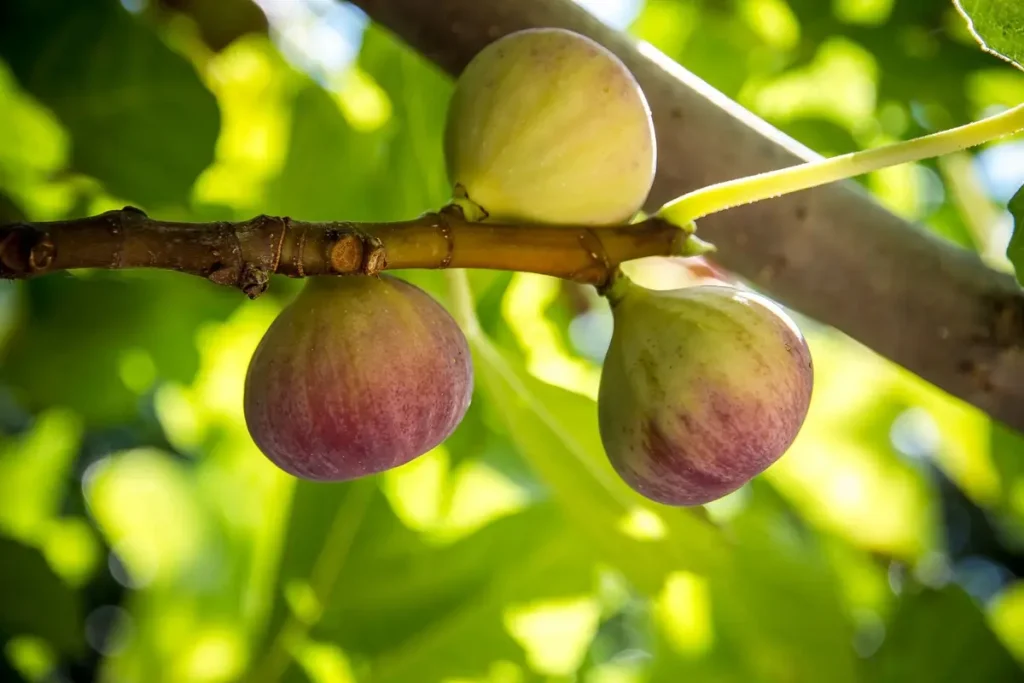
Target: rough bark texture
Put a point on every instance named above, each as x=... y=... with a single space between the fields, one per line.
x=246 y=253
x=831 y=253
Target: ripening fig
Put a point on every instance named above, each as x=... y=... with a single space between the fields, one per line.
x=359 y=374
x=548 y=126
x=702 y=389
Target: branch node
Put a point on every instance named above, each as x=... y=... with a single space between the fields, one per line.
x=300 y=250
x=223 y=276
x=374 y=258
x=442 y=216
x=42 y=253
x=599 y=271
x=345 y=254
x=254 y=280
x=12 y=250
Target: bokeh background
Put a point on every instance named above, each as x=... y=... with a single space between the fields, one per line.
x=143 y=538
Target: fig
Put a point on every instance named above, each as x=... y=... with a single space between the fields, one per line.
x=702 y=389
x=548 y=126
x=359 y=374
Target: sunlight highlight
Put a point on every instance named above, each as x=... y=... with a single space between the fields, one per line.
x=773 y=21
x=683 y=610
x=214 y=655
x=839 y=85
x=145 y=505
x=32 y=657
x=364 y=103
x=555 y=634
x=524 y=309
x=415 y=490
x=1007 y=618
x=324 y=663
x=480 y=496
x=643 y=524
x=445 y=504
x=253 y=86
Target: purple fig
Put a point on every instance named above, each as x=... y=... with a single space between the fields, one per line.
x=358 y=375
x=702 y=389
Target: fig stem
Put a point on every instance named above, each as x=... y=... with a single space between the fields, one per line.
x=727 y=195
x=618 y=286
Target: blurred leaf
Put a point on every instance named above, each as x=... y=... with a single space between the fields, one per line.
x=941 y=636
x=772 y=595
x=552 y=568
x=388 y=589
x=34 y=471
x=331 y=170
x=1015 y=249
x=35 y=601
x=140 y=119
x=773 y=615
x=556 y=433
x=80 y=339
x=782 y=592
x=390 y=170
x=10 y=212
x=221 y=22
x=419 y=93
x=998 y=25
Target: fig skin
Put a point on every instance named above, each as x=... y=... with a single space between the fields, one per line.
x=548 y=126
x=703 y=388
x=359 y=374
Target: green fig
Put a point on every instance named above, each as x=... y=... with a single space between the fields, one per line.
x=702 y=389
x=358 y=375
x=548 y=126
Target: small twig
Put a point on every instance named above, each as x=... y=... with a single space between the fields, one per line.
x=244 y=254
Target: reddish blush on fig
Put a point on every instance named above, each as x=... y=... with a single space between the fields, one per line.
x=358 y=375
x=703 y=388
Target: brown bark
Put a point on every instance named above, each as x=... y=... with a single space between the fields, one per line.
x=831 y=253
x=246 y=253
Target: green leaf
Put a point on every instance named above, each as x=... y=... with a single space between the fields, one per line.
x=77 y=338
x=332 y=171
x=771 y=597
x=1015 y=249
x=35 y=601
x=549 y=564
x=140 y=119
x=556 y=433
x=10 y=212
x=941 y=636
x=419 y=93
x=393 y=598
x=998 y=25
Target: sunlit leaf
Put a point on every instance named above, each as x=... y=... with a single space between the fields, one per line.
x=354 y=575
x=33 y=472
x=556 y=432
x=140 y=119
x=86 y=327
x=998 y=25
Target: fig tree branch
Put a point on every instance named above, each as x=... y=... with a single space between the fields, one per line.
x=831 y=253
x=244 y=254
